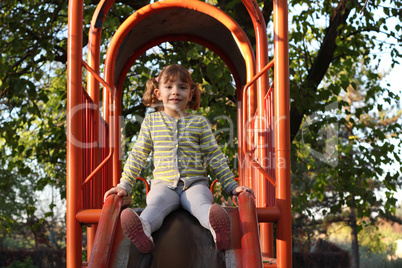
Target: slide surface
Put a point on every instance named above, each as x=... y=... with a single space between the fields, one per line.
x=181 y=242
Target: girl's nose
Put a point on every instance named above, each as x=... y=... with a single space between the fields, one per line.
x=175 y=90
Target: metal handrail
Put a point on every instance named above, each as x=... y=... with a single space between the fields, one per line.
x=249 y=157
x=112 y=91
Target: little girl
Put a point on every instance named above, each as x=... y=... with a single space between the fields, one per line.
x=181 y=144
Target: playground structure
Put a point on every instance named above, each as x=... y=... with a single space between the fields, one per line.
x=93 y=139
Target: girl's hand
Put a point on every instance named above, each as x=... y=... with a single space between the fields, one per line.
x=240 y=189
x=115 y=190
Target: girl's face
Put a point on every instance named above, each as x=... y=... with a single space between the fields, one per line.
x=175 y=96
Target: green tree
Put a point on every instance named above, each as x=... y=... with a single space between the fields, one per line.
x=350 y=189
x=329 y=43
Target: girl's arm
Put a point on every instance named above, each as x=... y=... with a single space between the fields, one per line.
x=218 y=163
x=216 y=159
x=136 y=160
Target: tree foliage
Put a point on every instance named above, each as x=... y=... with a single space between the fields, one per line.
x=350 y=122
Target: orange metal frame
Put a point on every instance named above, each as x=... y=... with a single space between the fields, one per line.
x=93 y=144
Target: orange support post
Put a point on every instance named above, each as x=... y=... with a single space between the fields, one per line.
x=260 y=125
x=282 y=133
x=74 y=132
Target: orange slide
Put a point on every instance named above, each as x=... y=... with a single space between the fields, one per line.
x=94 y=135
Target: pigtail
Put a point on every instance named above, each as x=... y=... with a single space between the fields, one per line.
x=194 y=103
x=149 y=98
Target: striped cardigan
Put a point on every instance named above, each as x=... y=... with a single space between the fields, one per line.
x=181 y=149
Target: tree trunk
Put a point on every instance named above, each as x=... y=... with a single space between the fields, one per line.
x=355 y=241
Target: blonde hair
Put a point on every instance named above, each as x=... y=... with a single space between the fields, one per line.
x=168 y=74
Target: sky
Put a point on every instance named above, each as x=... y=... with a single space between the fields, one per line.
x=394 y=80
x=385 y=65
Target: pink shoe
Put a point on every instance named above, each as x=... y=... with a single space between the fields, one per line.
x=137 y=231
x=220 y=227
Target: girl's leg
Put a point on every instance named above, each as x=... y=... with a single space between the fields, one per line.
x=197 y=199
x=160 y=202
x=220 y=227
x=137 y=230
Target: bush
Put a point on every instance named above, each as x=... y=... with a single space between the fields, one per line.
x=27 y=263
x=43 y=258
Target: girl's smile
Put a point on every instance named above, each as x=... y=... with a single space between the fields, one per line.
x=175 y=96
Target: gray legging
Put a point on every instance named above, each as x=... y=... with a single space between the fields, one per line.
x=161 y=201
